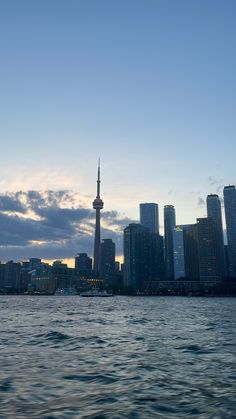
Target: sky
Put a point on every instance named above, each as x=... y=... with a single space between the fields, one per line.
x=149 y=86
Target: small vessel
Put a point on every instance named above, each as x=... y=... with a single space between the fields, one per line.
x=66 y=291
x=96 y=292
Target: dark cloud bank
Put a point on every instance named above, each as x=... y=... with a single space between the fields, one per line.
x=51 y=225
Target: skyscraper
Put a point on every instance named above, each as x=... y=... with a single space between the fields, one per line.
x=107 y=261
x=207 y=251
x=191 y=252
x=169 y=224
x=149 y=216
x=230 y=217
x=156 y=257
x=178 y=252
x=136 y=255
x=97 y=205
x=214 y=212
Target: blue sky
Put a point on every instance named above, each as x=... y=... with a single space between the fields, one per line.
x=147 y=85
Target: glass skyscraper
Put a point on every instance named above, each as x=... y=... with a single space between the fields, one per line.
x=136 y=255
x=169 y=225
x=178 y=252
x=230 y=217
x=107 y=261
x=214 y=212
x=149 y=216
x=207 y=251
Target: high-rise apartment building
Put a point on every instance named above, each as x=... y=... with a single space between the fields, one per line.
x=169 y=224
x=191 y=252
x=107 y=261
x=178 y=252
x=156 y=257
x=149 y=216
x=209 y=271
x=230 y=217
x=214 y=212
x=136 y=255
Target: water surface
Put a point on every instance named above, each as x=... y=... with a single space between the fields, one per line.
x=121 y=357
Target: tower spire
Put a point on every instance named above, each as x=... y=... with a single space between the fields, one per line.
x=98 y=180
x=97 y=205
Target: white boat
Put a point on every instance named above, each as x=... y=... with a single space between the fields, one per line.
x=66 y=291
x=96 y=292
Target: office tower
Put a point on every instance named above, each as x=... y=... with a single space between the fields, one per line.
x=83 y=263
x=156 y=257
x=169 y=224
x=191 y=252
x=149 y=216
x=230 y=217
x=136 y=255
x=107 y=261
x=214 y=212
x=207 y=250
x=98 y=206
x=178 y=252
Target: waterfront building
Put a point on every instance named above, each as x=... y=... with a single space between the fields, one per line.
x=169 y=224
x=149 y=216
x=34 y=263
x=83 y=264
x=230 y=217
x=136 y=255
x=12 y=275
x=43 y=282
x=214 y=212
x=156 y=257
x=209 y=271
x=2 y=275
x=107 y=261
x=178 y=252
x=191 y=260
x=98 y=206
x=59 y=264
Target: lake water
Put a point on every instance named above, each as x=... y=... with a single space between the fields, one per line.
x=121 y=357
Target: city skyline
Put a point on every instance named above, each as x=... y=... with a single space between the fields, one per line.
x=52 y=207
x=190 y=258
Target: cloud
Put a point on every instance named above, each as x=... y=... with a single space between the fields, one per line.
x=52 y=224
x=201 y=202
x=11 y=203
x=212 y=181
x=216 y=184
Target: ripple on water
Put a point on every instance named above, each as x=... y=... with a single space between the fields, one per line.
x=6 y=385
x=196 y=349
x=125 y=358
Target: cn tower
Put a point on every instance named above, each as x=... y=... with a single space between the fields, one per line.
x=97 y=205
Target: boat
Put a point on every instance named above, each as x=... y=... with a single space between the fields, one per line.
x=96 y=292
x=66 y=291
